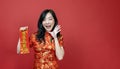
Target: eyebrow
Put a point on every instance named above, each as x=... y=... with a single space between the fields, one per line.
x=50 y=17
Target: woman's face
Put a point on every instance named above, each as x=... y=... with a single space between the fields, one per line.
x=48 y=22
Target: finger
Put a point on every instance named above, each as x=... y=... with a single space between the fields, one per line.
x=56 y=28
x=59 y=27
x=59 y=30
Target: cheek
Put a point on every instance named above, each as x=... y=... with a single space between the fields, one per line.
x=43 y=24
x=53 y=23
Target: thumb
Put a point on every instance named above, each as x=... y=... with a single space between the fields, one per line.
x=18 y=46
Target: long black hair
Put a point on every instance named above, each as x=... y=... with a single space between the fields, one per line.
x=41 y=30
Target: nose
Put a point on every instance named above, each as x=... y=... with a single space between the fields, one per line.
x=47 y=21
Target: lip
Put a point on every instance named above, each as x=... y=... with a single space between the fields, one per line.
x=48 y=26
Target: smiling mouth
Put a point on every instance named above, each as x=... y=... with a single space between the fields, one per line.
x=48 y=26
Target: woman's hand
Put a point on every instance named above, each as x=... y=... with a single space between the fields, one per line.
x=55 y=31
x=18 y=46
x=59 y=50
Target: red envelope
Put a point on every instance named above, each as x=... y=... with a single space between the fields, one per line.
x=24 y=40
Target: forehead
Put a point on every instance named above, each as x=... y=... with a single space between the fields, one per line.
x=49 y=15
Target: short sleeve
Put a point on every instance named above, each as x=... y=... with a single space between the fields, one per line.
x=32 y=40
x=60 y=39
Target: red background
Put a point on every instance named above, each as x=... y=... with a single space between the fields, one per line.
x=90 y=28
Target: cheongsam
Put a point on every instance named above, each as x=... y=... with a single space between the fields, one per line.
x=44 y=56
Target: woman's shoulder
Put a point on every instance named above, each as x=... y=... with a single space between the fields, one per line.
x=33 y=36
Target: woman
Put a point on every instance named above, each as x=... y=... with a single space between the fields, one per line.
x=47 y=42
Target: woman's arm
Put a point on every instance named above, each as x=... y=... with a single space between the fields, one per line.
x=59 y=50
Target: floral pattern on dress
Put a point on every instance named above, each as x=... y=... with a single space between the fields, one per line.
x=45 y=57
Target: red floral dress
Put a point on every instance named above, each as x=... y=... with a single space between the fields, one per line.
x=45 y=57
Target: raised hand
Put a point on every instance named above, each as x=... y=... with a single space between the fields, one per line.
x=55 y=31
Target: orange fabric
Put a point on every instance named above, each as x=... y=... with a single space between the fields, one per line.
x=45 y=57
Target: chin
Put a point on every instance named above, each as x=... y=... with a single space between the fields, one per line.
x=49 y=30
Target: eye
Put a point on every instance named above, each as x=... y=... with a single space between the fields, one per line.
x=50 y=19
